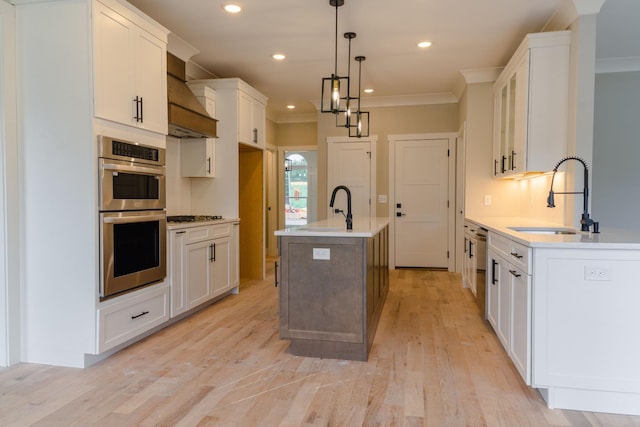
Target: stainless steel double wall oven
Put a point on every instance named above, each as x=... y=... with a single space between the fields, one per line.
x=133 y=220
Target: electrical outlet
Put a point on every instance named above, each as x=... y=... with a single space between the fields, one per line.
x=600 y=273
x=322 y=253
x=382 y=198
x=487 y=200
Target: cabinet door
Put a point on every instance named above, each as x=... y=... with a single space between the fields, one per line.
x=113 y=58
x=493 y=289
x=520 y=342
x=199 y=273
x=473 y=265
x=221 y=266
x=245 y=125
x=235 y=256
x=177 y=271
x=504 y=305
x=257 y=123
x=197 y=157
x=520 y=90
x=151 y=81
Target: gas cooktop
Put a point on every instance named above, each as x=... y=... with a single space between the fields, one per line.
x=193 y=218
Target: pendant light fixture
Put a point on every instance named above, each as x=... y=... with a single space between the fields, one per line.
x=361 y=127
x=348 y=104
x=332 y=86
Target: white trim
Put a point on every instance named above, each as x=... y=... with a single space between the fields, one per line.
x=617 y=65
x=451 y=217
x=10 y=227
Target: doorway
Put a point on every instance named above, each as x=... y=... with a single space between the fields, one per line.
x=299 y=186
x=422 y=195
x=352 y=162
x=251 y=209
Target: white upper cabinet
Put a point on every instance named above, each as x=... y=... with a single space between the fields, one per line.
x=241 y=111
x=130 y=70
x=531 y=99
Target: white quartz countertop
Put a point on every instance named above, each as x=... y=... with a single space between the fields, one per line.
x=181 y=225
x=337 y=227
x=608 y=238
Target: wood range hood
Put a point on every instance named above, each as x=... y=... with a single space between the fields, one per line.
x=187 y=117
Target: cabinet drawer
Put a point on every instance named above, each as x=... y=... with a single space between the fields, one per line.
x=131 y=316
x=221 y=230
x=198 y=234
x=517 y=253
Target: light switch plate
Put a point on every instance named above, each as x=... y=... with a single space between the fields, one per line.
x=322 y=253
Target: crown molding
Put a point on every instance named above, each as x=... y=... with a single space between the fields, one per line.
x=569 y=11
x=617 y=65
x=402 y=100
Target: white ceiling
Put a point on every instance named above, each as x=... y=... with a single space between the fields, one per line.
x=466 y=34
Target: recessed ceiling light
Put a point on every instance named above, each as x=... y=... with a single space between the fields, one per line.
x=232 y=8
x=291 y=107
x=278 y=56
x=424 y=44
x=368 y=90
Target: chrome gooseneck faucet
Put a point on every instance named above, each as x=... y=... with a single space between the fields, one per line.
x=333 y=199
x=585 y=221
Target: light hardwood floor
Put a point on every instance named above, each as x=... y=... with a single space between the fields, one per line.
x=434 y=362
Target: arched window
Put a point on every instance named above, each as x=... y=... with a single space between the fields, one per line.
x=296 y=191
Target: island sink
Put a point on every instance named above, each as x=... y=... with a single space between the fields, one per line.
x=544 y=230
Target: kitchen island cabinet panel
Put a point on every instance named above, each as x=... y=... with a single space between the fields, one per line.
x=325 y=301
x=332 y=290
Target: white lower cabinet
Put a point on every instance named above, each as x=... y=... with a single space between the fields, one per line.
x=509 y=299
x=132 y=315
x=201 y=262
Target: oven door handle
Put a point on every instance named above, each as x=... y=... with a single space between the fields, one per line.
x=129 y=219
x=137 y=169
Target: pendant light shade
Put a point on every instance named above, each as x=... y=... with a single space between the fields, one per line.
x=343 y=119
x=361 y=122
x=334 y=88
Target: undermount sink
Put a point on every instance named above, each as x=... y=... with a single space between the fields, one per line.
x=544 y=230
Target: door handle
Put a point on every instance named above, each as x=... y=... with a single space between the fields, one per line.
x=493 y=271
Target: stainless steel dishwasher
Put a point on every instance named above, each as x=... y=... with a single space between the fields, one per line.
x=475 y=253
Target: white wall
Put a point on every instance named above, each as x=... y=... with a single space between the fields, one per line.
x=616 y=153
x=479 y=180
x=178 y=188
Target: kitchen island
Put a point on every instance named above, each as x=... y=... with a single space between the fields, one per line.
x=333 y=284
x=564 y=304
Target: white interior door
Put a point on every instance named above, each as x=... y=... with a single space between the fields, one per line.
x=421 y=203
x=350 y=164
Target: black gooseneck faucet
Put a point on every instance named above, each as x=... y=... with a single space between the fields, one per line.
x=585 y=221
x=333 y=199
